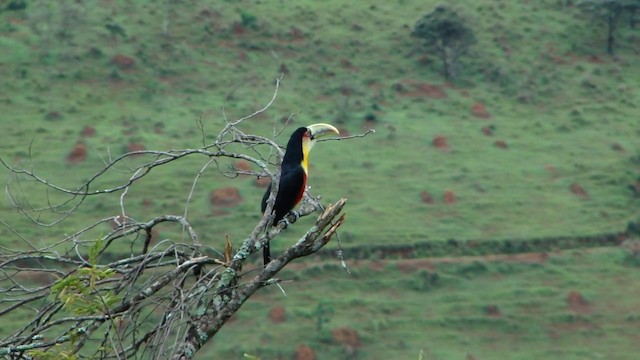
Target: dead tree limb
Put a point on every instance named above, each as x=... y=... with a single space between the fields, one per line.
x=80 y=299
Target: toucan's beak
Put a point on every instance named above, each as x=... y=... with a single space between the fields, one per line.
x=321 y=129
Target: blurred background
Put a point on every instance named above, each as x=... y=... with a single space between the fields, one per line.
x=492 y=215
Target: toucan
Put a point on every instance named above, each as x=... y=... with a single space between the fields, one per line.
x=293 y=173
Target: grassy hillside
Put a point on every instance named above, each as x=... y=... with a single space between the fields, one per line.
x=548 y=92
x=541 y=130
x=527 y=307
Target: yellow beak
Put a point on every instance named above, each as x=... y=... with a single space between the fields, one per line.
x=317 y=131
x=322 y=129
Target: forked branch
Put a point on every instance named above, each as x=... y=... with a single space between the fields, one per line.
x=80 y=290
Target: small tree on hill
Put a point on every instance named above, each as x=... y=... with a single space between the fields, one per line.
x=610 y=12
x=447 y=32
x=78 y=297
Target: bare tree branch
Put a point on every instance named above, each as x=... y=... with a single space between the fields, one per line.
x=162 y=299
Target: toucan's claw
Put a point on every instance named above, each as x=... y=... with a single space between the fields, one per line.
x=284 y=221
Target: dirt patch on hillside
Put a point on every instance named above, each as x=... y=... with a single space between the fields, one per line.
x=420 y=89
x=577 y=303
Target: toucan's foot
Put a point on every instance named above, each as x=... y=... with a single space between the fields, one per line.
x=285 y=222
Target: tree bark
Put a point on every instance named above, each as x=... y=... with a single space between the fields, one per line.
x=209 y=319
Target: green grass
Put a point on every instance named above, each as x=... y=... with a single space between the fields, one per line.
x=394 y=318
x=576 y=111
x=540 y=70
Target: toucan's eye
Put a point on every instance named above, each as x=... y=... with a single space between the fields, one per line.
x=307 y=134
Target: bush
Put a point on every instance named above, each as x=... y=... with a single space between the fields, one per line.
x=422 y=281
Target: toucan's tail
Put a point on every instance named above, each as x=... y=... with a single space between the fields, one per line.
x=266 y=254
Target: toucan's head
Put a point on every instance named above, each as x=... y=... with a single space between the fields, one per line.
x=315 y=131
x=301 y=142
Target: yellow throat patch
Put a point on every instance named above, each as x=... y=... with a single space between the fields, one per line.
x=306 y=147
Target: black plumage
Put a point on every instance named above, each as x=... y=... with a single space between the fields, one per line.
x=293 y=179
x=294 y=172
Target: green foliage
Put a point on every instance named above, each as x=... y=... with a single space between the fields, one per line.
x=631 y=253
x=52 y=354
x=16 y=5
x=248 y=20
x=115 y=29
x=422 y=280
x=13 y=51
x=323 y=313
x=610 y=12
x=448 y=32
x=79 y=292
x=444 y=27
x=470 y=270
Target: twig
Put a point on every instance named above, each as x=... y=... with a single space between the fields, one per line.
x=165 y=301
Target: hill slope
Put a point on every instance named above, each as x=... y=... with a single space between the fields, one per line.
x=538 y=137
